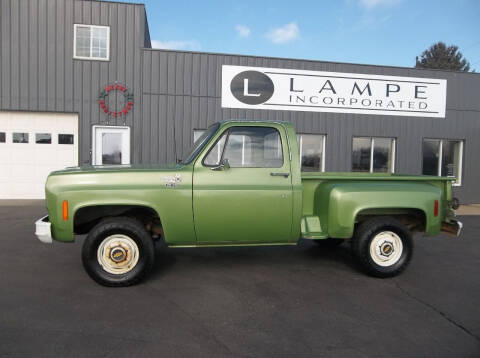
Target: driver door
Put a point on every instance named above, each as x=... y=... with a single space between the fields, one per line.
x=249 y=198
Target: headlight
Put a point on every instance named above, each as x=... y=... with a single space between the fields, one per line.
x=455 y=203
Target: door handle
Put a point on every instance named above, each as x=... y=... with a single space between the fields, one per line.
x=280 y=175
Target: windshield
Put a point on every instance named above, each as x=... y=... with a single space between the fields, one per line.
x=199 y=143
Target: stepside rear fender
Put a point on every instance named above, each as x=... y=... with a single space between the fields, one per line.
x=340 y=203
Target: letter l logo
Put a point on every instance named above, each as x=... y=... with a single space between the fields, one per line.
x=245 y=89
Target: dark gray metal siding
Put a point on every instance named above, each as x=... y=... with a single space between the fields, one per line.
x=38 y=72
x=182 y=92
x=176 y=92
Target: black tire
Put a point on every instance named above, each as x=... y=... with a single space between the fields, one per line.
x=362 y=240
x=123 y=226
x=329 y=242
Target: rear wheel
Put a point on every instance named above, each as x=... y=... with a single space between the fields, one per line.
x=383 y=246
x=118 y=252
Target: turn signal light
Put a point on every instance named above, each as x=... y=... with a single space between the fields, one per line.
x=435 y=208
x=65 y=210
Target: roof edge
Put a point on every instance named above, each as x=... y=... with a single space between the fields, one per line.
x=116 y=2
x=311 y=60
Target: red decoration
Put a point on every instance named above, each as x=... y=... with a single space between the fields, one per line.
x=127 y=96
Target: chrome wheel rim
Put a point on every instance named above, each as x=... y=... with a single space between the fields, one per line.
x=386 y=248
x=118 y=254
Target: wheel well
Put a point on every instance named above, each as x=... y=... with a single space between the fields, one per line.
x=414 y=219
x=87 y=217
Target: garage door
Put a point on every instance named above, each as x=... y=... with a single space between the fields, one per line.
x=31 y=146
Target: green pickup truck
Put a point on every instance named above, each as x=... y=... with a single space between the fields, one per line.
x=240 y=185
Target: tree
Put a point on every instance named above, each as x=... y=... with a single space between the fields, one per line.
x=441 y=56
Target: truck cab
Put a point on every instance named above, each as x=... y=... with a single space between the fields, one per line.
x=245 y=182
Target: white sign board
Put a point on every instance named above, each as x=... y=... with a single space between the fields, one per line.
x=317 y=91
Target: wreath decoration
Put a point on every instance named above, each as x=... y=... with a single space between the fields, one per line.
x=128 y=96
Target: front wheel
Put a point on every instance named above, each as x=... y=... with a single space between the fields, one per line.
x=118 y=252
x=383 y=246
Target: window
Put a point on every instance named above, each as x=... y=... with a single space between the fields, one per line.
x=197 y=133
x=248 y=147
x=199 y=143
x=111 y=145
x=373 y=155
x=91 y=42
x=43 y=138
x=65 y=139
x=20 y=137
x=215 y=153
x=312 y=152
x=443 y=158
x=2 y=137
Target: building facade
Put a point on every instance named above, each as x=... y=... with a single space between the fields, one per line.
x=80 y=84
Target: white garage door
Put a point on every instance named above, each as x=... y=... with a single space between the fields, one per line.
x=31 y=146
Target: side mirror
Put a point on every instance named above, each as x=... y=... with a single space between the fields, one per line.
x=224 y=165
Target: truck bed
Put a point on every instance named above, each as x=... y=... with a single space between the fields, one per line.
x=332 y=202
x=370 y=176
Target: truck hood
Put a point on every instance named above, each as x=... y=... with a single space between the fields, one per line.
x=119 y=168
x=122 y=177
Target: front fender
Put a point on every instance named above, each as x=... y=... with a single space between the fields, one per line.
x=63 y=230
x=173 y=204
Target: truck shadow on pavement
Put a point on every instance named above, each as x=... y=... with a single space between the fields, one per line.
x=305 y=256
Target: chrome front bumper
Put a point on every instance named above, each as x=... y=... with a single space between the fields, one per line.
x=454 y=227
x=43 y=230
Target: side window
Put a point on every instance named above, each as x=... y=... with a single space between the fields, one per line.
x=239 y=149
x=20 y=137
x=65 y=139
x=91 y=42
x=2 y=137
x=373 y=154
x=215 y=154
x=248 y=147
x=43 y=138
x=197 y=133
x=312 y=152
x=443 y=157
